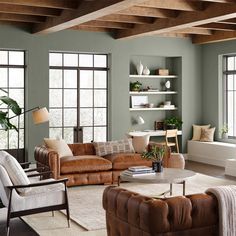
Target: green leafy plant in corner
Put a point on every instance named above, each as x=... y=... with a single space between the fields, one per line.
x=12 y=105
x=224 y=129
x=173 y=121
x=155 y=154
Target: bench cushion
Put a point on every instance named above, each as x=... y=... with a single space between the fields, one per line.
x=81 y=164
x=122 y=161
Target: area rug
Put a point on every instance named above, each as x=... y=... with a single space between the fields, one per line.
x=86 y=201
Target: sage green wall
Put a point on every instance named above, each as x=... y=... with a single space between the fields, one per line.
x=212 y=72
x=38 y=46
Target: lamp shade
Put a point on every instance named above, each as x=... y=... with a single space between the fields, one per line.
x=140 y=120
x=40 y=115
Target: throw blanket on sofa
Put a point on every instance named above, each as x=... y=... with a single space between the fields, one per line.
x=226 y=196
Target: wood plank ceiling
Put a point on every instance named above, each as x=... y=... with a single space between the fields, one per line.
x=204 y=21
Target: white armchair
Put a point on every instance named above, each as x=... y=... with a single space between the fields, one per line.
x=24 y=197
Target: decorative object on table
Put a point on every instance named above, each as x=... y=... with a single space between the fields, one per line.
x=173 y=122
x=167 y=85
x=139 y=101
x=158 y=125
x=139 y=170
x=139 y=68
x=155 y=154
x=224 y=131
x=135 y=86
x=146 y=71
x=162 y=72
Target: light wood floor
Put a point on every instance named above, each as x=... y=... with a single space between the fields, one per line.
x=19 y=228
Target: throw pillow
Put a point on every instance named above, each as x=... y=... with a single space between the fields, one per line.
x=105 y=148
x=140 y=143
x=197 y=131
x=60 y=146
x=14 y=170
x=207 y=135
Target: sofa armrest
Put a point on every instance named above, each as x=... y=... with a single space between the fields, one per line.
x=49 y=159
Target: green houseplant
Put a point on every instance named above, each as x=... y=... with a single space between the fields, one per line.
x=224 y=131
x=135 y=86
x=11 y=104
x=155 y=154
x=173 y=122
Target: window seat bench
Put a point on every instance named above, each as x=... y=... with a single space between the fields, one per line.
x=213 y=153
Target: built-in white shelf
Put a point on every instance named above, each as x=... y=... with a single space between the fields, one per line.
x=152 y=92
x=152 y=109
x=154 y=76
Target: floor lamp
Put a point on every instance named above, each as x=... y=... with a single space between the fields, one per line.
x=40 y=115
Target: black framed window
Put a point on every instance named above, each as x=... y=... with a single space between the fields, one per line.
x=12 y=80
x=78 y=96
x=229 y=94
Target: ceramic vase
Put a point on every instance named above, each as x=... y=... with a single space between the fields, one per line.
x=157 y=166
x=224 y=135
x=139 y=68
x=146 y=71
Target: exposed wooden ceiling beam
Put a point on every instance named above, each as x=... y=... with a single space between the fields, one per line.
x=214 y=12
x=147 y=11
x=61 y=4
x=219 y=1
x=28 y=10
x=218 y=36
x=229 y=21
x=86 y=11
x=174 y=35
x=105 y=24
x=127 y=19
x=21 y=18
x=174 y=5
x=218 y=26
x=194 y=30
x=88 y=28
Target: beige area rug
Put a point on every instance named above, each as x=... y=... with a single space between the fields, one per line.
x=86 y=201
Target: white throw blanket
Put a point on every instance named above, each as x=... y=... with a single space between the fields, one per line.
x=226 y=196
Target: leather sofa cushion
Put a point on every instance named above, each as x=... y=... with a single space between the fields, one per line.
x=82 y=164
x=122 y=161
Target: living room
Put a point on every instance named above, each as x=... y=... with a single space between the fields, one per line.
x=195 y=56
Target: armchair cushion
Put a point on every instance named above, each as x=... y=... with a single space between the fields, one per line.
x=60 y=146
x=14 y=170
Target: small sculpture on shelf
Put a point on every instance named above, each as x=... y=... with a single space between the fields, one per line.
x=146 y=71
x=139 y=68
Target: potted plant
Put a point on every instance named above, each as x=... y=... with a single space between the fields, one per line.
x=224 y=131
x=155 y=154
x=135 y=86
x=5 y=122
x=173 y=122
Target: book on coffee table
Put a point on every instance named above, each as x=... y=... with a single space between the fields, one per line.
x=138 y=173
x=139 y=168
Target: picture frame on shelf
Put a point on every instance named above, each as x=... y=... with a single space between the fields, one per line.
x=139 y=101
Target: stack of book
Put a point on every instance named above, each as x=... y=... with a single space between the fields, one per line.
x=139 y=170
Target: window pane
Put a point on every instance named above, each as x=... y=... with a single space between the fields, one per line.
x=70 y=98
x=18 y=95
x=55 y=98
x=13 y=137
x=55 y=59
x=100 y=79
x=3 y=77
x=21 y=138
x=55 y=117
x=70 y=78
x=70 y=59
x=3 y=57
x=230 y=82
x=86 y=98
x=100 y=61
x=100 y=98
x=85 y=60
x=230 y=63
x=69 y=135
x=86 y=79
x=86 y=117
x=16 y=77
x=70 y=117
x=14 y=120
x=230 y=113
x=55 y=78
x=87 y=134
x=3 y=138
x=100 y=134
x=16 y=58
x=55 y=133
x=100 y=116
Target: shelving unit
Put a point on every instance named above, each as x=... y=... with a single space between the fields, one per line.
x=152 y=92
x=153 y=109
x=154 y=76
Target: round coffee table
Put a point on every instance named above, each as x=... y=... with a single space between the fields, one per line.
x=169 y=175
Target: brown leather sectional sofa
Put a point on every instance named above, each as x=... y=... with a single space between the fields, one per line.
x=84 y=167
x=131 y=214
